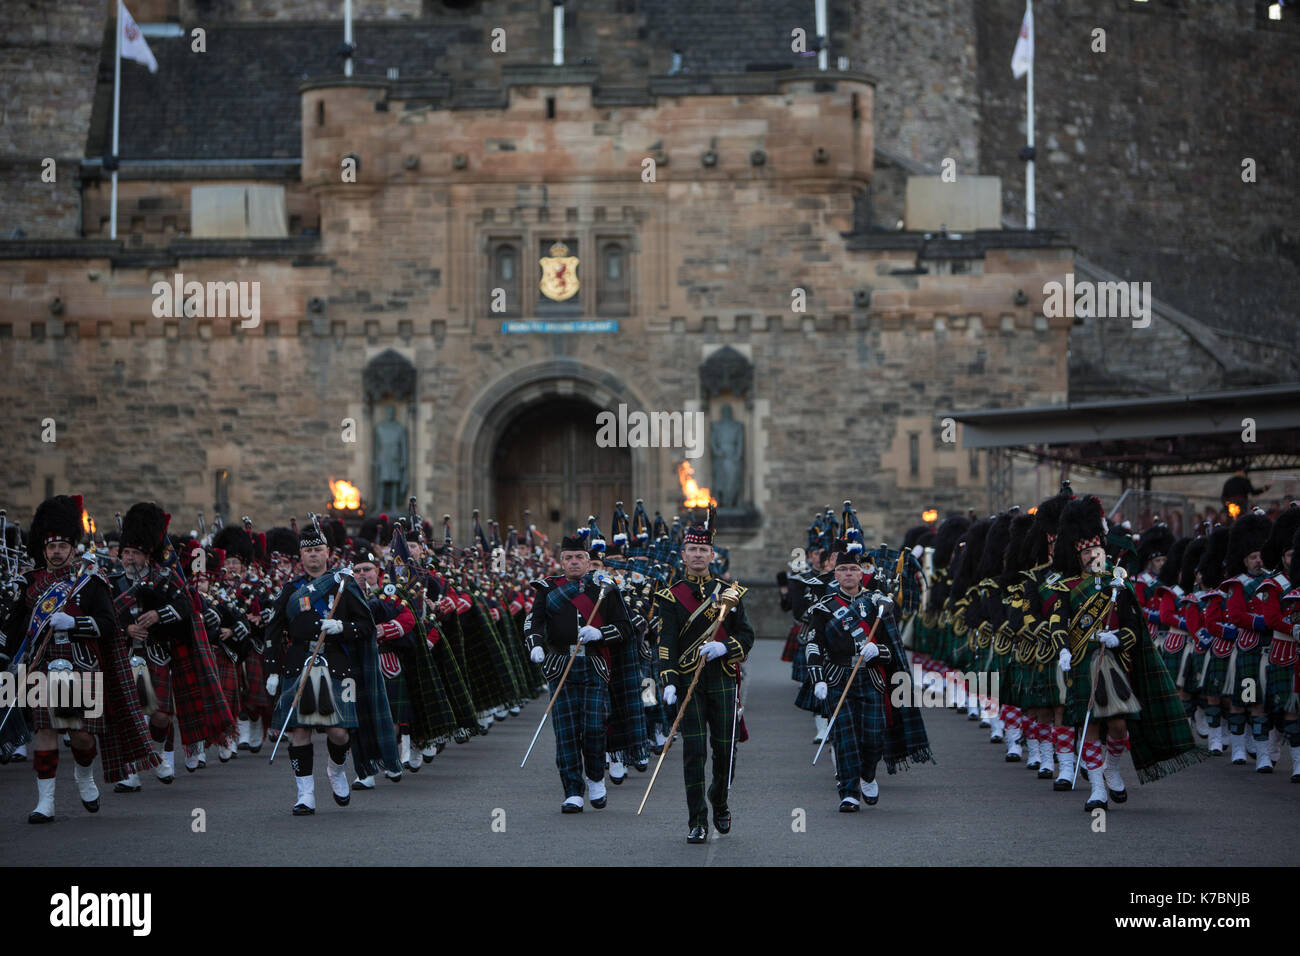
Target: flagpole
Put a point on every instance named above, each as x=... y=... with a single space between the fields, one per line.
x=1031 y=217
x=117 y=100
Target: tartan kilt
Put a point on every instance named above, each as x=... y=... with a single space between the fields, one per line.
x=399 y=701
x=228 y=678
x=479 y=664
x=1009 y=677
x=255 y=699
x=41 y=719
x=1249 y=668
x=438 y=717
x=799 y=665
x=1172 y=661
x=1079 y=691
x=456 y=690
x=1037 y=686
x=1214 y=671
x=999 y=667
x=1278 y=685
x=924 y=634
x=345 y=711
x=859 y=733
x=160 y=675
x=806 y=700
x=1190 y=669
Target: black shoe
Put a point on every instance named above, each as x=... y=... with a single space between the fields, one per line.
x=617 y=781
x=848 y=806
x=35 y=817
x=17 y=758
x=656 y=750
x=1046 y=773
x=223 y=759
x=243 y=746
x=1119 y=796
x=167 y=780
x=600 y=804
x=871 y=801
x=642 y=766
x=120 y=787
x=341 y=801
x=438 y=748
x=698 y=835
x=302 y=810
x=1013 y=758
x=571 y=807
x=92 y=806
x=189 y=769
x=1239 y=763
x=722 y=819
x=254 y=750
x=426 y=758
x=1095 y=805
x=358 y=785
x=1263 y=770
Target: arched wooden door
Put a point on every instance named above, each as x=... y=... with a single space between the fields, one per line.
x=547 y=461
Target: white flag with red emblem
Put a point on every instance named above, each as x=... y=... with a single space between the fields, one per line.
x=1023 y=57
x=134 y=46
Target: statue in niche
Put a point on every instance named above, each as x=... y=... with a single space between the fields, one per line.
x=727 y=445
x=390 y=461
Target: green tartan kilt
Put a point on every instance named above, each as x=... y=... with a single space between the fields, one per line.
x=1004 y=667
x=1278 y=693
x=961 y=658
x=1189 y=669
x=1248 y=669
x=1037 y=685
x=923 y=636
x=399 y=700
x=1214 y=671
x=1174 y=660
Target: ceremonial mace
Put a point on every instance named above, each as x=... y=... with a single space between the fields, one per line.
x=573 y=654
x=1116 y=583
x=898 y=583
x=315 y=651
x=727 y=604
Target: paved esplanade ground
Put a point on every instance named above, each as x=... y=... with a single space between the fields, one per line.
x=973 y=808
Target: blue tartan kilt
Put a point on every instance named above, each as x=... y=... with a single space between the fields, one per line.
x=345 y=711
x=399 y=700
x=806 y=700
x=799 y=665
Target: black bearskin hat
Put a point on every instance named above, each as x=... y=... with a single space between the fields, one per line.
x=235 y=541
x=1047 y=518
x=914 y=535
x=993 y=560
x=1153 y=542
x=145 y=528
x=946 y=538
x=1172 y=570
x=1083 y=525
x=1210 y=567
x=1285 y=525
x=336 y=532
x=1248 y=534
x=1191 y=558
x=966 y=556
x=56 y=519
x=281 y=540
x=1016 y=556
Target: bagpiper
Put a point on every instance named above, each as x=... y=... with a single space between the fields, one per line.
x=62 y=626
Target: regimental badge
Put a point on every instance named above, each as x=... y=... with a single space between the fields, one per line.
x=1086 y=621
x=559 y=274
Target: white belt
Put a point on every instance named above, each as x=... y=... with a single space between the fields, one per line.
x=1279 y=636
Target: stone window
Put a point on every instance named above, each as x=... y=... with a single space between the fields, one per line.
x=914 y=454
x=506 y=274
x=221 y=492
x=974 y=463
x=614 y=281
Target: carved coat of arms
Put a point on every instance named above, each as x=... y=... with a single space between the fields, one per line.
x=559 y=274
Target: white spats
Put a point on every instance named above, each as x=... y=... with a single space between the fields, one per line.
x=572 y=802
x=1031 y=747
x=997 y=731
x=1097 y=798
x=1216 y=739
x=1110 y=772
x=1263 y=760
x=595 y=790
x=410 y=756
x=1047 y=760
x=306 y=792
x=1274 y=745
x=243 y=741
x=364 y=783
x=338 y=778
x=870 y=790
x=823 y=725
x=1295 y=763
x=44 y=801
x=617 y=772
x=1014 y=752
x=255 y=734
x=1065 y=767
x=429 y=752
x=1238 y=748
x=1199 y=723
x=85 y=777
x=166 y=769
x=660 y=739
x=223 y=752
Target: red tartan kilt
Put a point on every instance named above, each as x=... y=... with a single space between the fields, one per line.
x=41 y=721
x=228 y=678
x=255 y=696
x=791 y=644
x=161 y=678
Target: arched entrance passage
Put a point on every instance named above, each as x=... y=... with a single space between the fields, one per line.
x=503 y=405
x=547 y=461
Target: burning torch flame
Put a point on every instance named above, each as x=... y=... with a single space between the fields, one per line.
x=1234 y=510
x=347 y=497
x=929 y=515
x=87 y=522
x=696 y=497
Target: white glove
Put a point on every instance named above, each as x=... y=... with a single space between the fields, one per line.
x=587 y=634
x=870 y=651
x=603 y=579
x=1065 y=659
x=712 y=650
x=62 y=622
x=880 y=599
x=273 y=684
x=331 y=626
x=819 y=690
x=670 y=695
x=537 y=656
x=1109 y=638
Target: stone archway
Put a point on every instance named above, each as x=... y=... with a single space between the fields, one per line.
x=508 y=401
